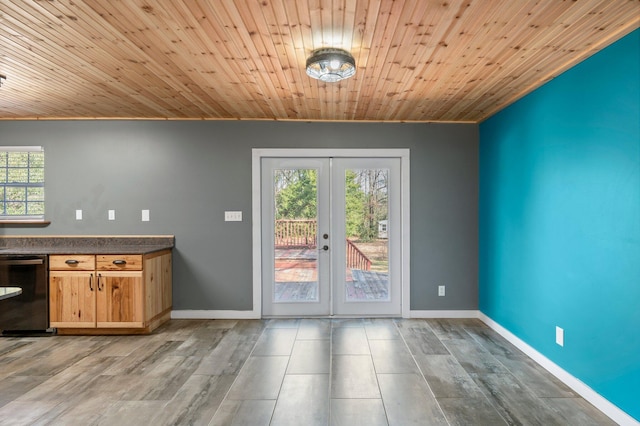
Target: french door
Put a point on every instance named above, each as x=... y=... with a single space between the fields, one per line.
x=331 y=240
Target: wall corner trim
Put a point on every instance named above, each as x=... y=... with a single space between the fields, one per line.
x=207 y=314
x=602 y=404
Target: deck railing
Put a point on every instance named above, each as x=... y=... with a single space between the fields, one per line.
x=290 y=233
x=356 y=259
x=302 y=233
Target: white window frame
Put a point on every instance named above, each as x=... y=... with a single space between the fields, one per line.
x=4 y=169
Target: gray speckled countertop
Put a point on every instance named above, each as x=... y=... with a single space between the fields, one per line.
x=85 y=244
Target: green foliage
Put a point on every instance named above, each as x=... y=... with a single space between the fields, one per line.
x=372 y=200
x=354 y=198
x=18 y=159
x=366 y=198
x=296 y=193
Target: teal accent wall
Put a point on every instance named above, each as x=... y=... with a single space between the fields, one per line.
x=559 y=221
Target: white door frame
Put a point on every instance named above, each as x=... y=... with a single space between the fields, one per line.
x=256 y=215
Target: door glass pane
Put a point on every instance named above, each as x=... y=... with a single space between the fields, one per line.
x=295 y=229
x=367 y=235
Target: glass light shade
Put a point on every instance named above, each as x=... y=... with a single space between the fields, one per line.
x=331 y=65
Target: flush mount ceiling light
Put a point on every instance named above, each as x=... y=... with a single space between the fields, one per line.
x=331 y=65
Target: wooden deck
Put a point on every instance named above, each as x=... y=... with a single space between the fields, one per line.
x=367 y=286
x=296 y=277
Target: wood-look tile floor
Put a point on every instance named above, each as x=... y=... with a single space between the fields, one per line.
x=300 y=372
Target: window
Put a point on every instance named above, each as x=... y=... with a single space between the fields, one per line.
x=22 y=182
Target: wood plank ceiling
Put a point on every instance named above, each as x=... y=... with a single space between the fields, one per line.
x=420 y=60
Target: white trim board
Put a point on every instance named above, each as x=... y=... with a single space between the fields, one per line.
x=602 y=404
x=228 y=314
x=445 y=314
x=212 y=315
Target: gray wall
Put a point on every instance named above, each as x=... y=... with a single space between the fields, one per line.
x=189 y=172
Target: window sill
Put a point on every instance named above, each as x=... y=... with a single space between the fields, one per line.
x=8 y=222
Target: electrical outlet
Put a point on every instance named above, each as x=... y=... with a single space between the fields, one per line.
x=440 y=290
x=145 y=215
x=112 y=215
x=560 y=336
x=78 y=214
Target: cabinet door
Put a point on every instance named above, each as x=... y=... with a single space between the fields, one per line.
x=72 y=299
x=120 y=300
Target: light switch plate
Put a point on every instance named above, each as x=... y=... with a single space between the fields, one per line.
x=112 y=215
x=441 y=290
x=78 y=214
x=145 y=215
x=233 y=216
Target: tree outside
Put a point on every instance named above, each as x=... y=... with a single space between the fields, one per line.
x=296 y=193
x=366 y=198
x=366 y=204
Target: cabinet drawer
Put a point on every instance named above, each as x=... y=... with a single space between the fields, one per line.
x=123 y=262
x=72 y=262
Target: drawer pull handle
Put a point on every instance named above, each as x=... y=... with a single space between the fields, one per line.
x=119 y=262
x=71 y=262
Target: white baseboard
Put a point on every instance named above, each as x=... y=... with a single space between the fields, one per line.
x=206 y=314
x=444 y=314
x=211 y=314
x=602 y=404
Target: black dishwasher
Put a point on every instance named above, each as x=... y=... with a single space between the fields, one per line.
x=24 y=294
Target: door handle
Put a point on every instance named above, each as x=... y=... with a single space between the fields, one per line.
x=325 y=248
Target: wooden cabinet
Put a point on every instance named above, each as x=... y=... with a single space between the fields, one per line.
x=119 y=300
x=72 y=299
x=100 y=294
